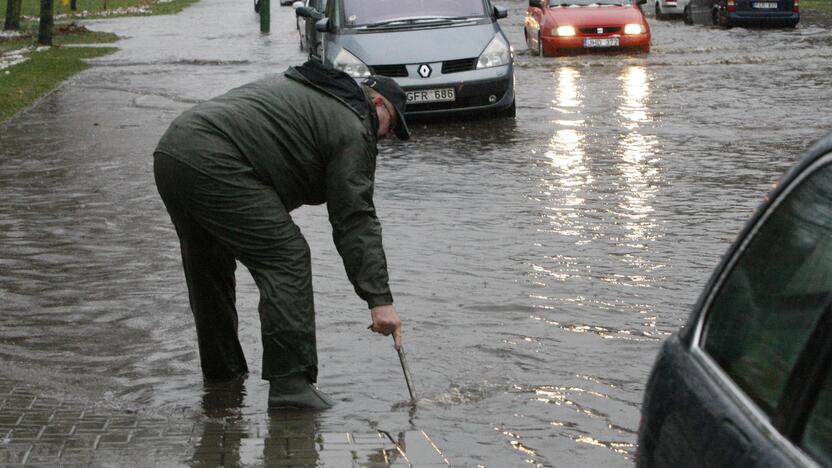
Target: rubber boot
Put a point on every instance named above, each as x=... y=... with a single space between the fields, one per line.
x=297 y=392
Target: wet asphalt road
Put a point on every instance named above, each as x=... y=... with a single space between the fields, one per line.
x=537 y=262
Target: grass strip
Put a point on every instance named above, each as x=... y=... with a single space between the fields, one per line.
x=64 y=34
x=24 y=83
x=102 y=8
x=820 y=5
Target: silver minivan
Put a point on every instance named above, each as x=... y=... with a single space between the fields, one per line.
x=451 y=57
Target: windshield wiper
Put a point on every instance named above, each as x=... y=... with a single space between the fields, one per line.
x=411 y=22
x=464 y=18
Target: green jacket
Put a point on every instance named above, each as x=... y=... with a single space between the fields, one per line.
x=311 y=135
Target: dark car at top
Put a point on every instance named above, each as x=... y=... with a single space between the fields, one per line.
x=728 y=13
x=451 y=57
x=747 y=382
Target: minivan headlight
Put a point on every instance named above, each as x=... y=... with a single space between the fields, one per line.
x=497 y=53
x=350 y=64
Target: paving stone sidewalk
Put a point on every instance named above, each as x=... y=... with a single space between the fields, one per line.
x=38 y=431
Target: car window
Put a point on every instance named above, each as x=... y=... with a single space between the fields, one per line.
x=770 y=301
x=817 y=437
x=362 y=12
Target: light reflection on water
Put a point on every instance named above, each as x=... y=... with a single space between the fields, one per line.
x=639 y=161
x=566 y=156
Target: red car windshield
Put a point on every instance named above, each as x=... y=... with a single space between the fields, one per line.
x=566 y=3
x=363 y=12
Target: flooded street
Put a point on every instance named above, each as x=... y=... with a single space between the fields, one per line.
x=537 y=262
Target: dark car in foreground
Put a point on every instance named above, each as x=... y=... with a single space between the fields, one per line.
x=747 y=381
x=728 y=13
x=451 y=58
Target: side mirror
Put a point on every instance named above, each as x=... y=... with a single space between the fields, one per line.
x=324 y=25
x=501 y=12
x=536 y=3
x=308 y=12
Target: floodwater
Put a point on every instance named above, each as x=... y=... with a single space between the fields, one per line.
x=537 y=262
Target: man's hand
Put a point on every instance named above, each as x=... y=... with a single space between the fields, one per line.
x=387 y=322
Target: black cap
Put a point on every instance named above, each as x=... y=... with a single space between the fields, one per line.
x=391 y=91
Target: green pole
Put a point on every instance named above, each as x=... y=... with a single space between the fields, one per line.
x=264 y=16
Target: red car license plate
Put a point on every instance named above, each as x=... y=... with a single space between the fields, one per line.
x=602 y=42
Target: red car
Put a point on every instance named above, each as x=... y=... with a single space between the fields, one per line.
x=557 y=27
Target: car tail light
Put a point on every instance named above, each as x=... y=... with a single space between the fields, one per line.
x=732 y=5
x=796 y=7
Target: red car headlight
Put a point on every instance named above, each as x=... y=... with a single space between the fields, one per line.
x=563 y=31
x=634 y=29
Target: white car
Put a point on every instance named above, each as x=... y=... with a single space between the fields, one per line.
x=668 y=8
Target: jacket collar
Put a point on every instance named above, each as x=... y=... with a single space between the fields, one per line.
x=334 y=83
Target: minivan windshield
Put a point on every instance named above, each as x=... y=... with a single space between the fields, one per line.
x=566 y=3
x=380 y=12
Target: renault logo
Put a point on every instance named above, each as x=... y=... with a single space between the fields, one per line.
x=600 y=30
x=424 y=70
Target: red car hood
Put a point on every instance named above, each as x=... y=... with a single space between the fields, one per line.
x=586 y=16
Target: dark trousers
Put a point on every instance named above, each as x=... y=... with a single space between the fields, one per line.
x=219 y=222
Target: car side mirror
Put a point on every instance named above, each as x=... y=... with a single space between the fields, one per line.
x=323 y=25
x=500 y=12
x=536 y=3
x=308 y=12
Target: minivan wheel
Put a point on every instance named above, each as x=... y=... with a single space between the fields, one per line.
x=510 y=111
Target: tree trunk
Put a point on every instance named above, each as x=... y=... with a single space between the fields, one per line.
x=46 y=22
x=12 y=22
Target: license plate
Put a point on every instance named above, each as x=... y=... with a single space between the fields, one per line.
x=767 y=5
x=431 y=95
x=604 y=42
